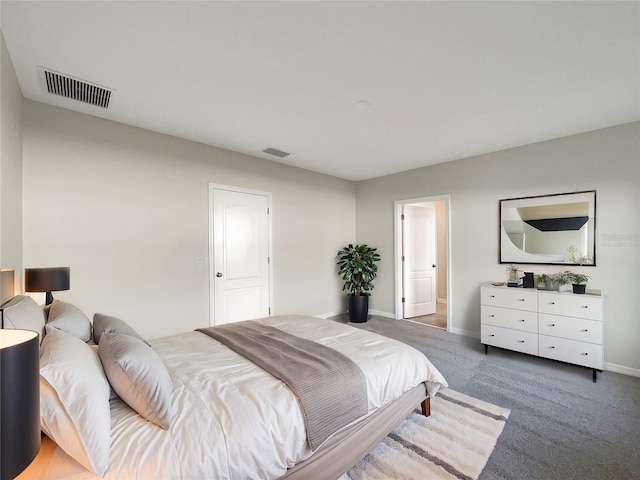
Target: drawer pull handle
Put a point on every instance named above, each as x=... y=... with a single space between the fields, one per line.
x=552 y=347
x=492 y=296
x=585 y=354
x=520 y=341
x=552 y=324
x=585 y=330
x=492 y=335
x=552 y=303
x=521 y=299
x=491 y=316
x=585 y=306
x=521 y=320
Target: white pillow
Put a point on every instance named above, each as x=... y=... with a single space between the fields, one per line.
x=70 y=319
x=23 y=312
x=107 y=324
x=74 y=411
x=138 y=376
x=58 y=425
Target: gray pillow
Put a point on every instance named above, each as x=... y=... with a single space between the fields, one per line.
x=106 y=324
x=138 y=376
x=23 y=312
x=70 y=319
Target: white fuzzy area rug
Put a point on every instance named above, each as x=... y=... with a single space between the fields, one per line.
x=455 y=442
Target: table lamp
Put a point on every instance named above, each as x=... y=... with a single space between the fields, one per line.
x=47 y=280
x=19 y=400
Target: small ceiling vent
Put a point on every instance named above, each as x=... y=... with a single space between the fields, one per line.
x=74 y=88
x=276 y=152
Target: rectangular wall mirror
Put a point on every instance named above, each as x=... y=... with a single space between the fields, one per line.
x=555 y=229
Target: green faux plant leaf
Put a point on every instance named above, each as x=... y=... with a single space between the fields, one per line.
x=563 y=278
x=356 y=266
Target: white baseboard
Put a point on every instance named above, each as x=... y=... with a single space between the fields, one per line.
x=466 y=333
x=612 y=367
x=371 y=312
x=329 y=315
x=382 y=314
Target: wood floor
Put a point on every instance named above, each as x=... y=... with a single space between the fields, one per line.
x=438 y=319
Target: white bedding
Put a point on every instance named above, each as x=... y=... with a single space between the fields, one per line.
x=235 y=421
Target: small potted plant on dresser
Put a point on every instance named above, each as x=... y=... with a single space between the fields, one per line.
x=579 y=282
x=512 y=276
x=357 y=267
x=546 y=282
x=563 y=279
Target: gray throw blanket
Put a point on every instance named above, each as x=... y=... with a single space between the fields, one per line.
x=330 y=387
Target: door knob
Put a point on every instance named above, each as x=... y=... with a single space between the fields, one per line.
x=219 y=274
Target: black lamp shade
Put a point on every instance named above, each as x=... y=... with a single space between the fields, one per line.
x=19 y=400
x=47 y=280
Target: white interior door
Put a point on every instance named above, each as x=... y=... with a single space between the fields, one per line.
x=419 y=266
x=240 y=268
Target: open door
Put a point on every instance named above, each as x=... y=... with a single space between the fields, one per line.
x=423 y=261
x=419 y=260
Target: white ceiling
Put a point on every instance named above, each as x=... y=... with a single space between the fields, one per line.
x=445 y=80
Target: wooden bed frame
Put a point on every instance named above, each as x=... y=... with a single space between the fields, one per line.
x=347 y=447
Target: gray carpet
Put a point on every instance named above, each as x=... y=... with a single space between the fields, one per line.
x=562 y=425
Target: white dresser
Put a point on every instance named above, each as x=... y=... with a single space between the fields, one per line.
x=562 y=326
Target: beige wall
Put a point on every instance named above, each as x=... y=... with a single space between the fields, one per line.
x=606 y=160
x=127 y=210
x=10 y=168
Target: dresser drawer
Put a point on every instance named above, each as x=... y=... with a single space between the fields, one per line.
x=509 y=318
x=571 y=328
x=525 y=342
x=570 y=305
x=571 y=351
x=517 y=298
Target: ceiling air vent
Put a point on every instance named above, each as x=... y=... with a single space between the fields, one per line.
x=276 y=152
x=74 y=88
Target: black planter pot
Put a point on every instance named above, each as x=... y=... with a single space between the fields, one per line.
x=358 y=308
x=579 y=288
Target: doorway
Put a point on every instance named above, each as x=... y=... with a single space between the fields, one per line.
x=422 y=256
x=240 y=253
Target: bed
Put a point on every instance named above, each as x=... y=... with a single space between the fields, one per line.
x=225 y=417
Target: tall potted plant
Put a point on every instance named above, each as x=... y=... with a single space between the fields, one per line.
x=357 y=267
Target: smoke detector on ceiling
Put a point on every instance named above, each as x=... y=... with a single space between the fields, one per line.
x=276 y=152
x=74 y=88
